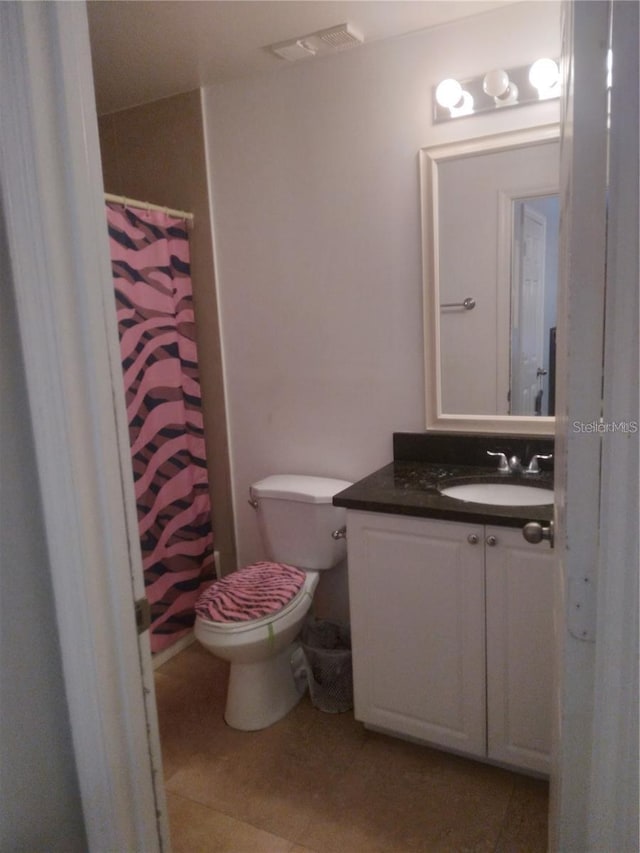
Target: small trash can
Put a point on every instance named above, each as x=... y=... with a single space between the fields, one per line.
x=327 y=649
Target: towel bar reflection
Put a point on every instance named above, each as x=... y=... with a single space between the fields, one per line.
x=467 y=303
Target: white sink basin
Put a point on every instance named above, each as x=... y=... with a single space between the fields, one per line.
x=499 y=494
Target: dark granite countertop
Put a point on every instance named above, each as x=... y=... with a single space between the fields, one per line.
x=412 y=488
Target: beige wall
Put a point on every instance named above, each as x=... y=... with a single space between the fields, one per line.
x=155 y=152
x=315 y=179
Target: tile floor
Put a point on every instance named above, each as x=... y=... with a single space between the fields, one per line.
x=321 y=782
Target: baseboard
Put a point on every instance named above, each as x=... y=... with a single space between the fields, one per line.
x=177 y=647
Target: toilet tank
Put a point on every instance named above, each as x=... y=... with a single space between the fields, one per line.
x=296 y=519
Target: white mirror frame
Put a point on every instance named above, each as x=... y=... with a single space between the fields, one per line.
x=430 y=158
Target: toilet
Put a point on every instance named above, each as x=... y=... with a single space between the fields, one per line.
x=253 y=616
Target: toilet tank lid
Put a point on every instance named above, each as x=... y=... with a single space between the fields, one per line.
x=299 y=487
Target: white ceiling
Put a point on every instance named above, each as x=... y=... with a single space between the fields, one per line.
x=144 y=50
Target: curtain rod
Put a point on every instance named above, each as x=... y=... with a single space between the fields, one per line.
x=145 y=205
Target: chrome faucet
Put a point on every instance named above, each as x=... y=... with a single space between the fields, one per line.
x=515 y=465
x=533 y=467
x=503 y=465
x=507 y=466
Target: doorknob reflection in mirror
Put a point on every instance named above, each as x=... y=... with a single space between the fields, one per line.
x=469 y=304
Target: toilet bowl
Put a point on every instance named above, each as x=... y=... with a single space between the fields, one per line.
x=264 y=661
x=253 y=616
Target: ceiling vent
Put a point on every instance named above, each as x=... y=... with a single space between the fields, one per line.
x=294 y=50
x=318 y=43
x=339 y=37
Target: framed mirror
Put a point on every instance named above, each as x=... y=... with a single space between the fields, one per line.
x=490 y=220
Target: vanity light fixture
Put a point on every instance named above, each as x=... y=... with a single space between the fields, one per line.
x=496 y=89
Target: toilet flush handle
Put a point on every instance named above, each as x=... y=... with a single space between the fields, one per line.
x=341 y=533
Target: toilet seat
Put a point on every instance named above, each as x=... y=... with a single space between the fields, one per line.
x=233 y=628
x=251 y=596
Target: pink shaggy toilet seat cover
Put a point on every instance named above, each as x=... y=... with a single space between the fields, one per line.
x=250 y=593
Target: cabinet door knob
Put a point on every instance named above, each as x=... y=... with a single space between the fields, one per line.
x=491 y=540
x=473 y=539
x=534 y=532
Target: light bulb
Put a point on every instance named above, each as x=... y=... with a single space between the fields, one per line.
x=495 y=83
x=464 y=107
x=509 y=98
x=544 y=74
x=449 y=93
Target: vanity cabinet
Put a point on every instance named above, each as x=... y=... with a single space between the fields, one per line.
x=452 y=635
x=520 y=649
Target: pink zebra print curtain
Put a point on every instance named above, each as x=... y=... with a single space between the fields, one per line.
x=150 y=262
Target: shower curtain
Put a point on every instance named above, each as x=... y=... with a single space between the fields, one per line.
x=150 y=264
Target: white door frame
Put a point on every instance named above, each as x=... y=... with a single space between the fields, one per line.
x=594 y=790
x=613 y=792
x=54 y=210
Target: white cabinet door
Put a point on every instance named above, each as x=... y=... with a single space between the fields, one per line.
x=520 y=649
x=417 y=616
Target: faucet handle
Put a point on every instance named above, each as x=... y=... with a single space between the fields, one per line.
x=503 y=465
x=533 y=467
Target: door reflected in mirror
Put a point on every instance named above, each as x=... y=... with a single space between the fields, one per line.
x=490 y=247
x=534 y=294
